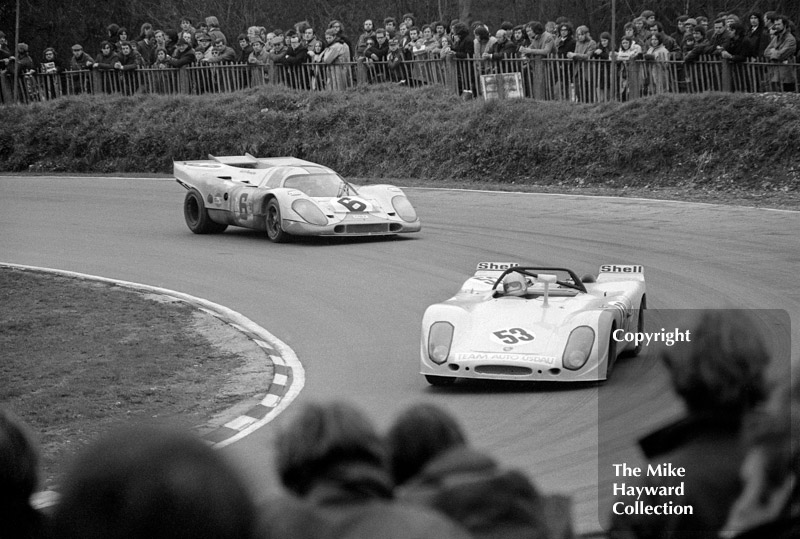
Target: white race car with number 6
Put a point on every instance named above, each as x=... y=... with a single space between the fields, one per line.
x=285 y=196
x=512 y=322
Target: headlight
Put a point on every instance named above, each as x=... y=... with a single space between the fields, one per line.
x=440 y=337
x=309 y=212
x=404 y=209
x=579 y=346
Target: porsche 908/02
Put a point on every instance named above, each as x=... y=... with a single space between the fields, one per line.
x=285 y=196
x=512 y=322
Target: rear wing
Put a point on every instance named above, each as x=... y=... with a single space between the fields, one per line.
x=245 y=159
x=620 y=272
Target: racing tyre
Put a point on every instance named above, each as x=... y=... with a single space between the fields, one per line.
x=640 y=326
x=274 y=231
x=196 y=215
x=440 y=381
x=612 y=353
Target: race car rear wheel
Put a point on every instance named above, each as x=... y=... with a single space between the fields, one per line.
x=612 y=353
x=640 y=326
x=440 y=380
x=196 y=215
x=275 y=232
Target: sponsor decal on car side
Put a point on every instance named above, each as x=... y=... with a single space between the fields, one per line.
x=497 y=356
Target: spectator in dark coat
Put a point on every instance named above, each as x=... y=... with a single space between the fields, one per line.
x=332 y=460
x=757 y=36
x=702 y=46
x=719 y=39
x=80 y=60
x=720 y=376
x=184 y=55
x=6 y=57
x=293 y=58
x=433 y=465
x=462 y=48
x=19 y=479
x=769 y=505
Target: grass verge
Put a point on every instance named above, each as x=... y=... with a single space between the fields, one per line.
x=79 y=356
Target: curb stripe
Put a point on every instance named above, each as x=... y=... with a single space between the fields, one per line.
x=289 y=376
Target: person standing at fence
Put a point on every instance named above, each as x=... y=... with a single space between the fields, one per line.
x=394 y=62
x=390 y=25
x=214 y=30
x=184 y=55
x=780 y=52
x=335 y=59
x=460 y=51
x=628 y=52
x=756 y=36
x=582 y=77
x=147 y=47
x=361 y=44
x=52 y=71
x=721 y=37
x=222 y=53
x=657 y=58
x=6 y=57
x=342 y=37
x=294 y=59
x=503 y=49
x=80 y=63
x=603 y=53
x=565 y=44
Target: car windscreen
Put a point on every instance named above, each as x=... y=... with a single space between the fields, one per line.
x=319 y=185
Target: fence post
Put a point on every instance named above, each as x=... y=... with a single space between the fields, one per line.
x=184 y=85
x=634 y=79
x=97 y=82
x=450 y=73
x=361 y=72
x=6 y=91
x=727 y=76
x=539 y=79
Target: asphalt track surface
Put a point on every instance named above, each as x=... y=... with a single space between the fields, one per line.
x=351 y=309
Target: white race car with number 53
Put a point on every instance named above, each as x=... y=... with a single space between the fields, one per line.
x=512 y=322
x=285 y=196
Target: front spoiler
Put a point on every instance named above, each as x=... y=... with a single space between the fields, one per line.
x=368 y=227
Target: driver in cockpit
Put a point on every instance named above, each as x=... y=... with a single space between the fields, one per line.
x=515 y=284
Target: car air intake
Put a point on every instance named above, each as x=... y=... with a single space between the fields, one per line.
x=369 y=228
x=504 y=369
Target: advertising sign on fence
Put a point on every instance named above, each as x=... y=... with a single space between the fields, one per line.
x=502 y=86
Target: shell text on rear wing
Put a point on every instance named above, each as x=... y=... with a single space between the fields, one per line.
x=621 y=268
x=496 y=266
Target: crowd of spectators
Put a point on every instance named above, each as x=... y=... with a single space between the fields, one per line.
x=736 y=37
x=342 y=478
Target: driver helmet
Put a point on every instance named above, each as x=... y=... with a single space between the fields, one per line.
x=515 y=284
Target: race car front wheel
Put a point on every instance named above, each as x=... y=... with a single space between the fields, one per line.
x=196 y=215
x=274 y=230
x=440 y=380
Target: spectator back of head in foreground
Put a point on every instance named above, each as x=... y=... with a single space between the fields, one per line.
x=434 y=466
x=147 y=482
x=19 y=478
x=333 y=461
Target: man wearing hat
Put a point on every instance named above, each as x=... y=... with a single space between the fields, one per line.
x=184 y=54
x=80 y=60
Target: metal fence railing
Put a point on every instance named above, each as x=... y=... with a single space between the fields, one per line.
x=540 y=79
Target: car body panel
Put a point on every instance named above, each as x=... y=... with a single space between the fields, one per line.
x=237 y=189
x=495 y=336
